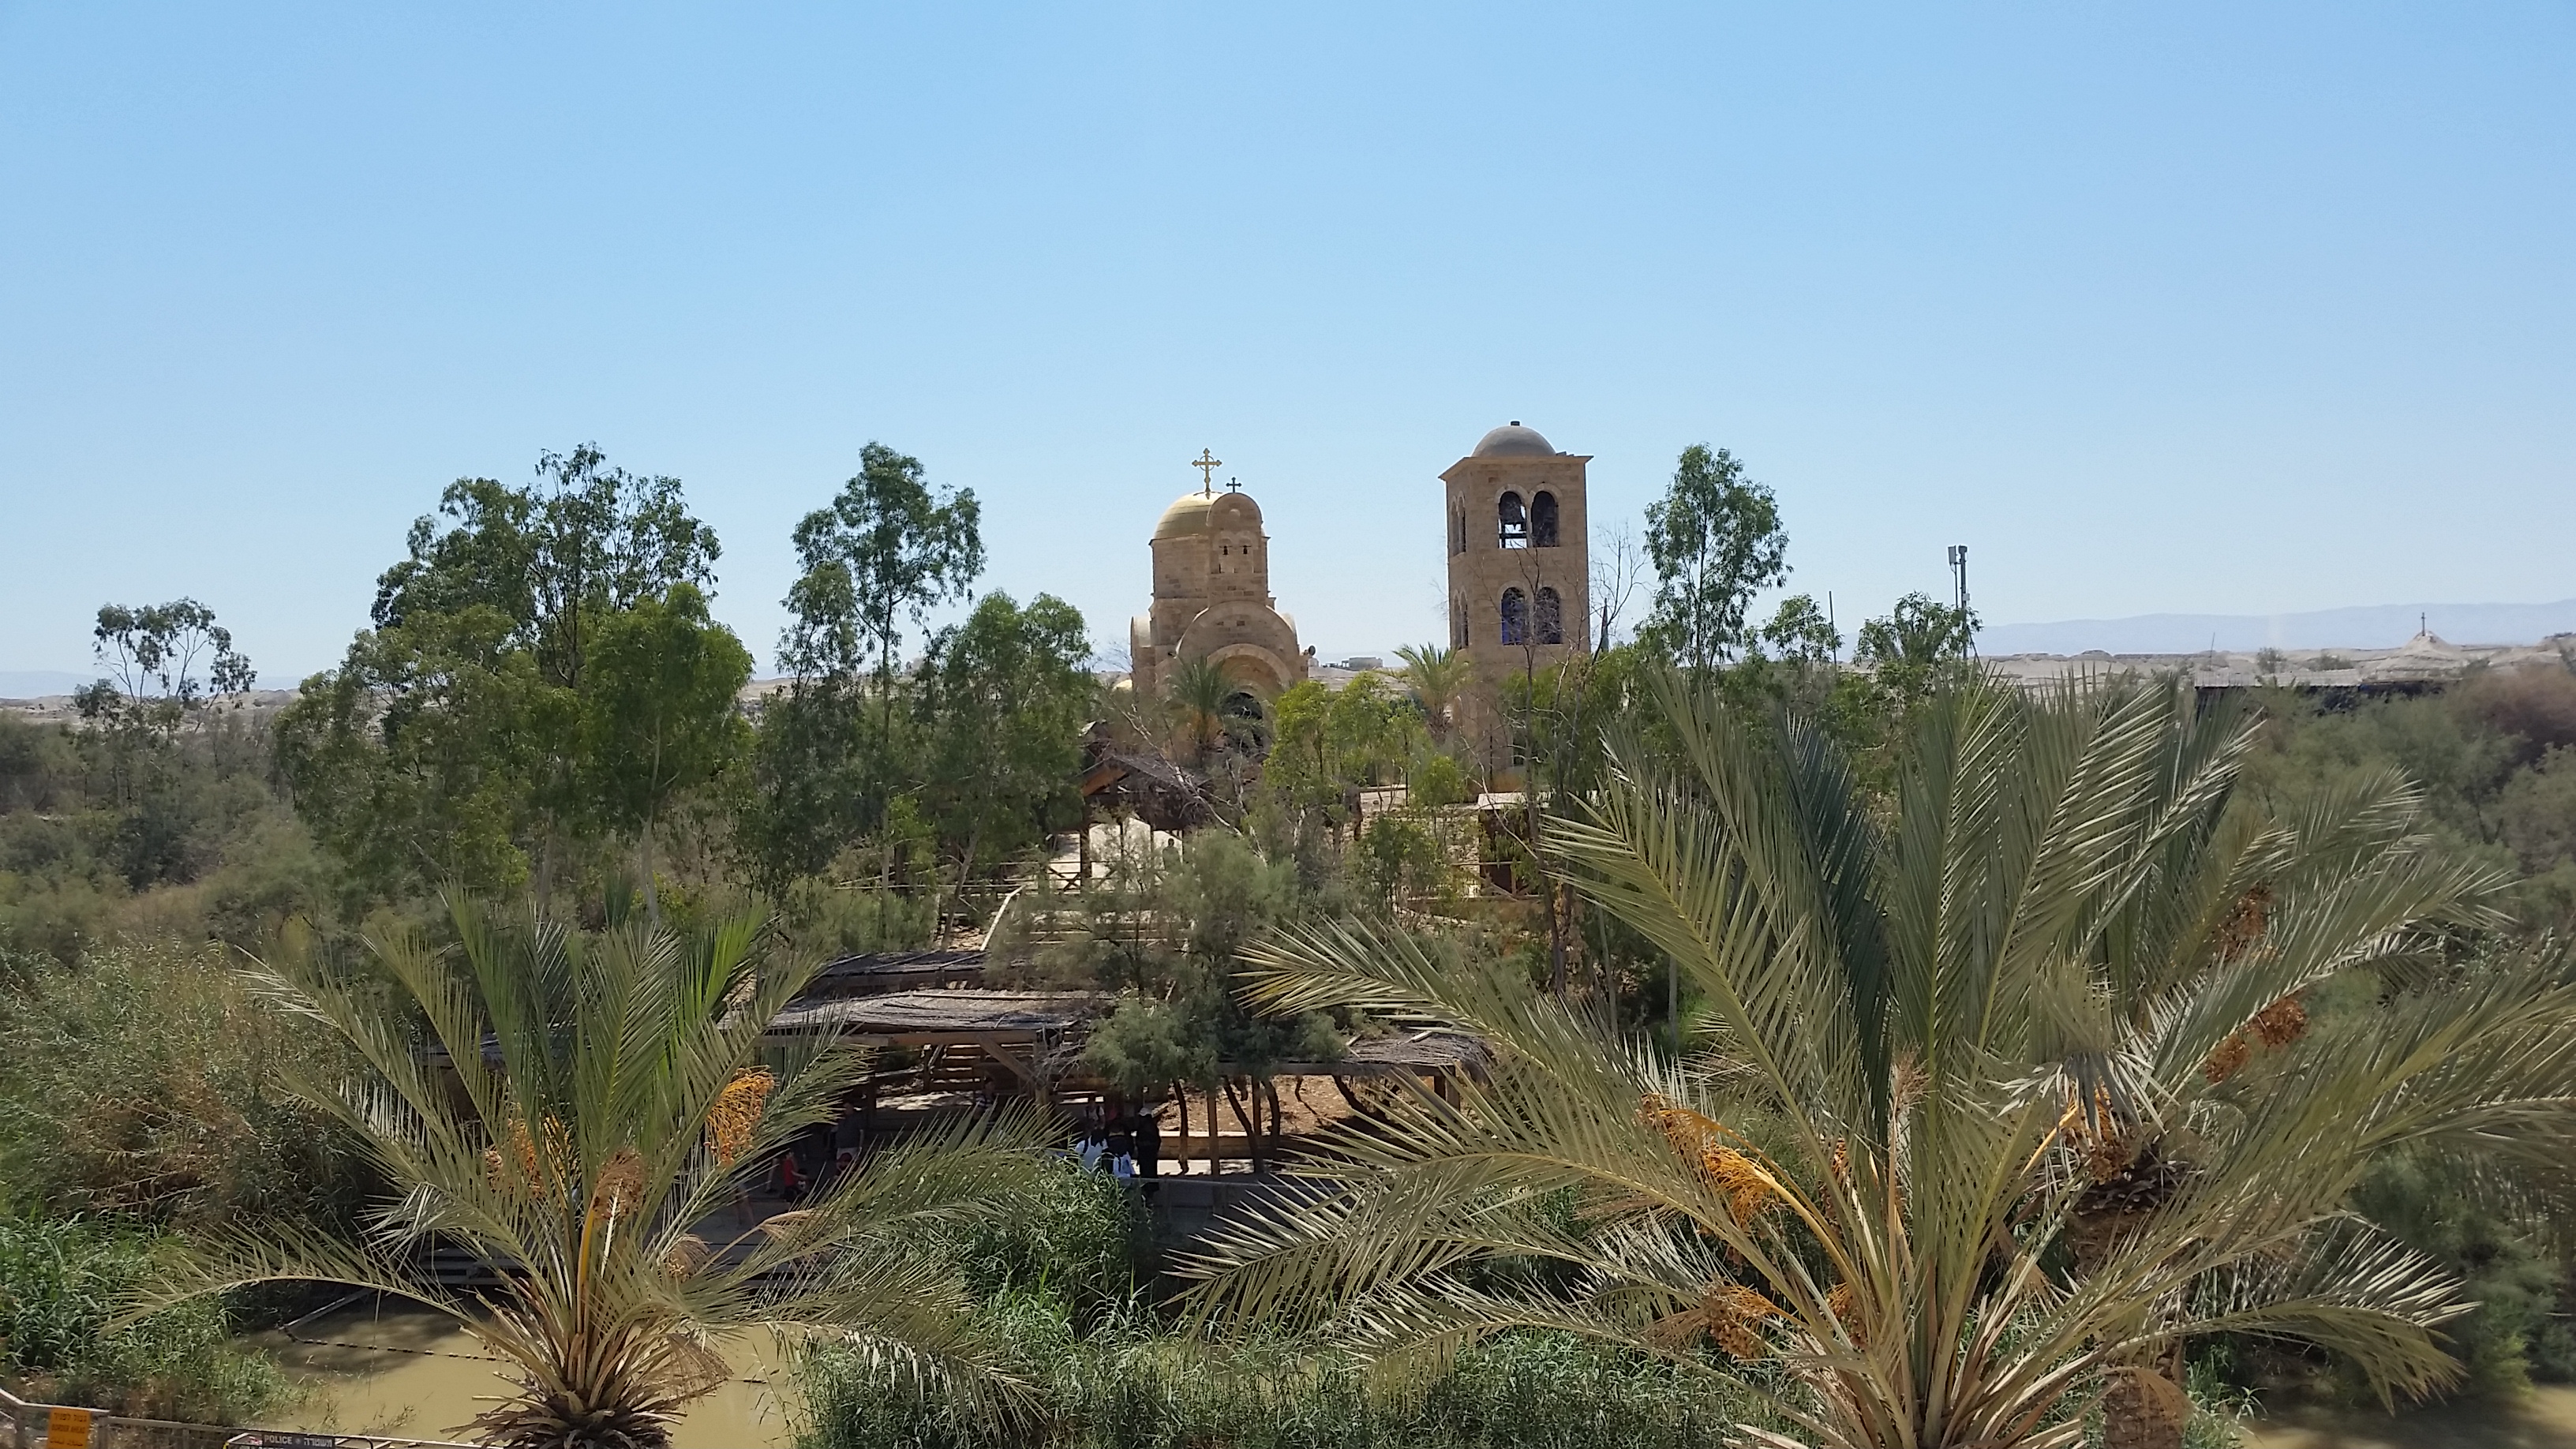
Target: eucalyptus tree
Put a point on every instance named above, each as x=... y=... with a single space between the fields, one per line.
x=883 y=554
x=1715 y=540
x=886 y=549
x=587 y=540
x=1800 y=633
x=169 y=655
x=448 y=744
x=1004 y=697
x=590 y=1106
x=163 y=663
x=660 y=717
x=2006 y=1088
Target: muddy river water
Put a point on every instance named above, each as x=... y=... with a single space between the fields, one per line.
x=417 y=1375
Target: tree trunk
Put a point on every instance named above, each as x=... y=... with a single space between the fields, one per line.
x=2143 y=1409
x=965 y=868
x=1556 y=982
x=652 y=900
x=1216 y=1126
x=1251 y=1124
x=1357 y=1106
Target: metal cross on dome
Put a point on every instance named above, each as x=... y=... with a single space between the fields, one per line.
x=1207 y=462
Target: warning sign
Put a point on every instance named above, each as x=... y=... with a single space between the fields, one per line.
x=67 y=1429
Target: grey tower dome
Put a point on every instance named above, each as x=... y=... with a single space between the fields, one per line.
x=1512 y=441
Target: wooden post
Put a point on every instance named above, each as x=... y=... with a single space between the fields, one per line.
x=1216 y=1125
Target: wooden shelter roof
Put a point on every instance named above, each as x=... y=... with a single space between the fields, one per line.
x=1161 y=794
x=1417 y=1053
x=893 y=970
x=1408 y=1053
x=958 y=1013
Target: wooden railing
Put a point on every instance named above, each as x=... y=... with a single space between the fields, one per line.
x=26 y=1425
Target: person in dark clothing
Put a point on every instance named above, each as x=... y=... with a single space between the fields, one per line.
x=1148 y=1136
x=1122 y=1139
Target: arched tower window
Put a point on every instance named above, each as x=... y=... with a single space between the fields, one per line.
x=1458 y=627
x=1551 y=615
x=1543 y=520
x=1515 y=616
x=1514 y=520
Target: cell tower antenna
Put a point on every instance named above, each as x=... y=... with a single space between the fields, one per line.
x=1959 y=574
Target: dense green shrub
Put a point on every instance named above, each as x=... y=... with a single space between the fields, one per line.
x=1076 y=1240
x=2492 y=756
x=2517 y=1332
x=1123 y=1384
x=1060 y=1282
x=144 y=1081
x=110 y=832
x=824 y=918
x=63 y=1281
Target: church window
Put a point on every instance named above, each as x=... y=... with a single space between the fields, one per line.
x=1551 y=615
x=1515 y=521
x=1515 y=617
x=1543 y=520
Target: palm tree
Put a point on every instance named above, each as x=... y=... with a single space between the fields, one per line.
x=611 y=1095
x=2005 y=1088
x=1438 y=678
x=1196 y=692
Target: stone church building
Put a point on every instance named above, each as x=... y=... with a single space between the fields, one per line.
x=1212 y=599
x=1520 y=583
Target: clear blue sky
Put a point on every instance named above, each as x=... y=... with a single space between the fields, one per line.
x=2204 y=307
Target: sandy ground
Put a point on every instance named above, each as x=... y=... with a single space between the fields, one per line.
x=415 y=1374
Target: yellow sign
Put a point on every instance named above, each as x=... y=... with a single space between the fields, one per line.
x=67 y=1429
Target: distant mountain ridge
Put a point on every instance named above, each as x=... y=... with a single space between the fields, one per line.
x=2383 y=626
x=39 y=683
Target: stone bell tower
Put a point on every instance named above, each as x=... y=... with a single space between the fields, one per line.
x=1520 y=577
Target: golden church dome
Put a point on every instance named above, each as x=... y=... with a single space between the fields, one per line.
x=1187 y=515
x=1193 y=513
